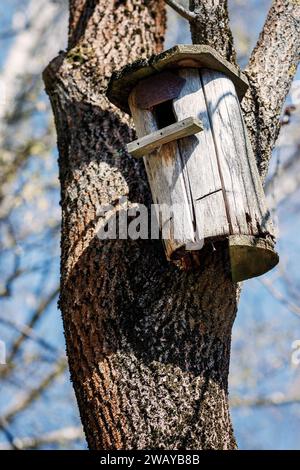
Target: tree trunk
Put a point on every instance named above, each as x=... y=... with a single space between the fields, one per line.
x=148 y=345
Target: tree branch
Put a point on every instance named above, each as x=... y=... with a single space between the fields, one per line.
x=271 y=69
x=211 y=26
x=187 y=14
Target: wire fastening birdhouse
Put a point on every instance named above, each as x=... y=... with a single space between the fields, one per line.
x=197 y=154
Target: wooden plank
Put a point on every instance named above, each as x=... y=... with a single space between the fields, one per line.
x=180 y=56
x=145 y=145
x=164 y=172
x=218 y=91
x=200 y=168
x=245 y=198
x=157 y=89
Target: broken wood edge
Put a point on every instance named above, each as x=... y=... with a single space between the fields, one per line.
x=191 y=55
x=250 y=256
x=147 y=144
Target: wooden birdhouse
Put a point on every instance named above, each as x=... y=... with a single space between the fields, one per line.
x=197 y=154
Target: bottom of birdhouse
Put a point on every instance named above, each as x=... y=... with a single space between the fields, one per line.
x=250 y=257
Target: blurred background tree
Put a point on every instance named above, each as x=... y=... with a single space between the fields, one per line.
x=37 y=405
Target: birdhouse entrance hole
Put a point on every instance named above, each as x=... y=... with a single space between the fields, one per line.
x=164 y=114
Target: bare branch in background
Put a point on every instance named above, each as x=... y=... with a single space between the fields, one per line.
x=286 y=180
x=280 y=400
x=7 y=288
x=16 y=272
x=27 y=331
x=60 y=436
x=26 y=399
x=181 y=10
x=42 y=307
x=285 y=183
x=32 y=49
x=293 y=308
x=29 y=188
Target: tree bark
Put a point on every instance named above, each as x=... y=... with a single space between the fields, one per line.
x=148 y=345
x=211 y=26
x=271 y=70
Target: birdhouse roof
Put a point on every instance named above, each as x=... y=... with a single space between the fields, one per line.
x=181 y=56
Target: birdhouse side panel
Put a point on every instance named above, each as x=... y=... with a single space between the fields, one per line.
x=199 y=161
x=260 y=212
x=245 y=199
x=164 y=171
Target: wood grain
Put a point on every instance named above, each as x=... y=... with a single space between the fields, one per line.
x=200 y=169
x=145 y=145
x=165 y=176
x=244 y=193
x=157 y=89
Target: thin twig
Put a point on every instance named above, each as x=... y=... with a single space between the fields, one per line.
x=58 y=436
x=237 y=402
x=187 y=14
x=25 y=330
x=23 y=402
x=26 y=400
x=42 y=307
x=293 y=308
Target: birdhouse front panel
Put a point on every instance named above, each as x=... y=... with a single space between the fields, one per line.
x=166 y=178
x=199 y=159
x=200 y=164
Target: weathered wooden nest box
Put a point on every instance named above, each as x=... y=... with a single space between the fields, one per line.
x=198 y=158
